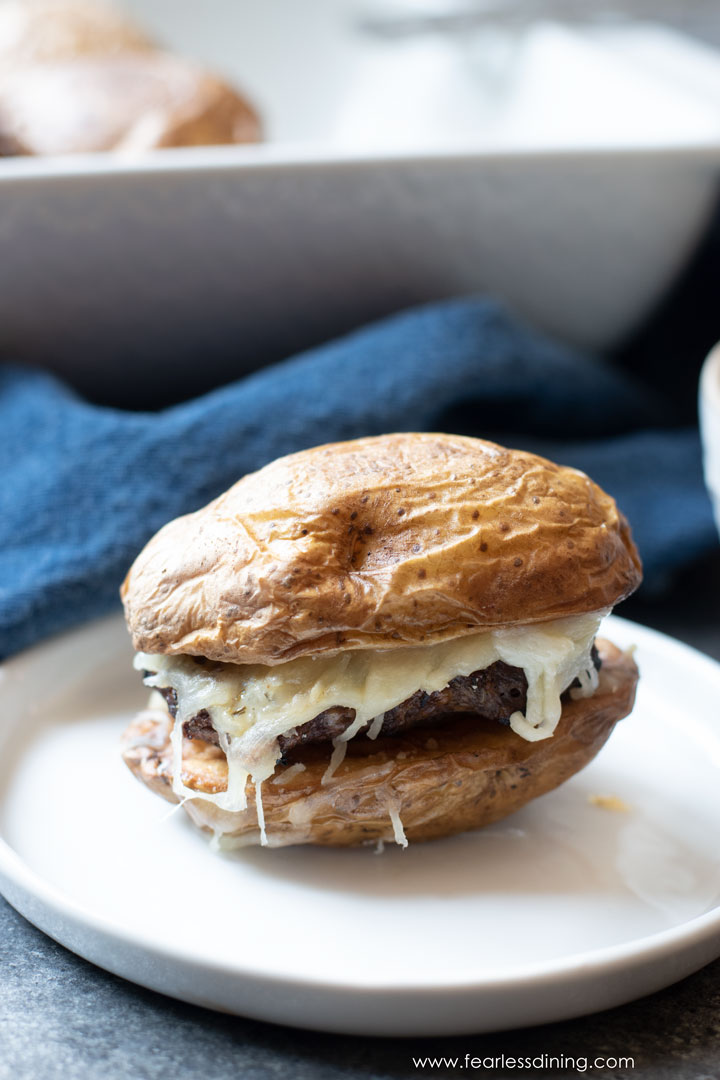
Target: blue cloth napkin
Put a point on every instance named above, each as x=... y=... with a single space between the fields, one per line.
x=84 y=487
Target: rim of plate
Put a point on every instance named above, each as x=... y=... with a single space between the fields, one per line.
x=586 y=964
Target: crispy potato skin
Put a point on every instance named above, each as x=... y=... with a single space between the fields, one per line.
x=443 y=780
x=379 y=543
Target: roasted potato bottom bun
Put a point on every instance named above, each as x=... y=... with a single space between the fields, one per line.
x=428 y=782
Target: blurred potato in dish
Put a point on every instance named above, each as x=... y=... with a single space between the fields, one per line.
x=37 y=31
x=78 y=77
x=128 y=101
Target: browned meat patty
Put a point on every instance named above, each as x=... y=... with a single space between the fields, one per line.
x=495 y=692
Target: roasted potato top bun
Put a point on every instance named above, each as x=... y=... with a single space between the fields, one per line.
x=379 y=543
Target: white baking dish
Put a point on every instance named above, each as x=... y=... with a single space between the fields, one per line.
x=188 y=267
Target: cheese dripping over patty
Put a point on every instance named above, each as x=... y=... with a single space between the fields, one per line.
x=251 y=705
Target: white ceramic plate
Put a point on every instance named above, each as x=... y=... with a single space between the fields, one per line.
x=563 y=909
x=569 y=173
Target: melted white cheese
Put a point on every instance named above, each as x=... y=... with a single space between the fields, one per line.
x=398 y=831
x=288 y=773
x=252 y=705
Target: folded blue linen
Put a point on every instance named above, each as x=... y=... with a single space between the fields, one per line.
x=83 y=487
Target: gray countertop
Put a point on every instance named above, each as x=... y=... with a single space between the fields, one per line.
x=62 y=1018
